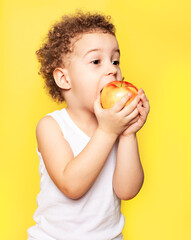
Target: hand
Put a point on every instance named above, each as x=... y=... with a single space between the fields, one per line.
x=143 y=108
x=118 y=118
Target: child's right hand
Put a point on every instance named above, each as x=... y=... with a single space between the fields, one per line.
x=118 y=118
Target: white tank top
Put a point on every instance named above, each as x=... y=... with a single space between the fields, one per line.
x=95 y=216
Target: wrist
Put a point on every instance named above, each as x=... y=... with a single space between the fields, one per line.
x=130 y=136
x=106 y=134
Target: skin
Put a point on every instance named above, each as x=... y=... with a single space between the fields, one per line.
x=93 y=63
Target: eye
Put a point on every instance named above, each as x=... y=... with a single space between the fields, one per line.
x=95 y=61
x=116 y=62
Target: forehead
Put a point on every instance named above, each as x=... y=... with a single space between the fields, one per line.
x=88 y=41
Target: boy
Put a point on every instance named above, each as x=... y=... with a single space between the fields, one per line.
x=89 y=158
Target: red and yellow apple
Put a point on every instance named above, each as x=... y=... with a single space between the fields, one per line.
x=114 y=91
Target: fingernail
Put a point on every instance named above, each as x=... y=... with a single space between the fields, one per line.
x=140 y=91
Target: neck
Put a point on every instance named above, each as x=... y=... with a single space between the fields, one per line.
x=84 y=119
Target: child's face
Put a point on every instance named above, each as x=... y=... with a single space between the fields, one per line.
x=94 y=62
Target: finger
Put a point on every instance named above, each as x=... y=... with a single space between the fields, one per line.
x=131 y=106
x=142 y=95
x=145 y=104
x=141 y=108
x=144 y=99
x=134 y=120
x=132 y=115
x=140 y=91
x=143 y=112
x=118 y=106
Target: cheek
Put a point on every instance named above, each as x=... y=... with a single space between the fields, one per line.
x=91 y=93
x=85 y=83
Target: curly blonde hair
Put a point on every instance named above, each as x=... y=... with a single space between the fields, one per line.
x=58 y=43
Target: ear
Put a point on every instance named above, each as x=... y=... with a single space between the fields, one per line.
x=61 y=78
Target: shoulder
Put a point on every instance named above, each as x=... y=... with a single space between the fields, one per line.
x=47 y=124
x=47 y=129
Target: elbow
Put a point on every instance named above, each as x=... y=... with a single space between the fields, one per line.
x=126 y=196
x=72 y=192
x=72 y=195
x=71 y=187
x=128 y=192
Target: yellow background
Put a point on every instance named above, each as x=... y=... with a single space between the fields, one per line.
x=155 y=41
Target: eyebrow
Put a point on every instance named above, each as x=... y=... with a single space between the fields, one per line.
x=99 y=49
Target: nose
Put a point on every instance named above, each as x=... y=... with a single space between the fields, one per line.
x=112 y=73
x=111 y=70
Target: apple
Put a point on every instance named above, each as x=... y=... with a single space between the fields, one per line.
x=114 y=91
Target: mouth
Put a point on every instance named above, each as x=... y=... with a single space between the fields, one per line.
x=101 y=90
x=102 y=87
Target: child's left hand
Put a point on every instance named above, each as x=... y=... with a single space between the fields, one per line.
x=143 y=108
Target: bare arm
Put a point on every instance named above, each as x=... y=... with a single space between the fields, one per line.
x=128 y=176
x=75 y=175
